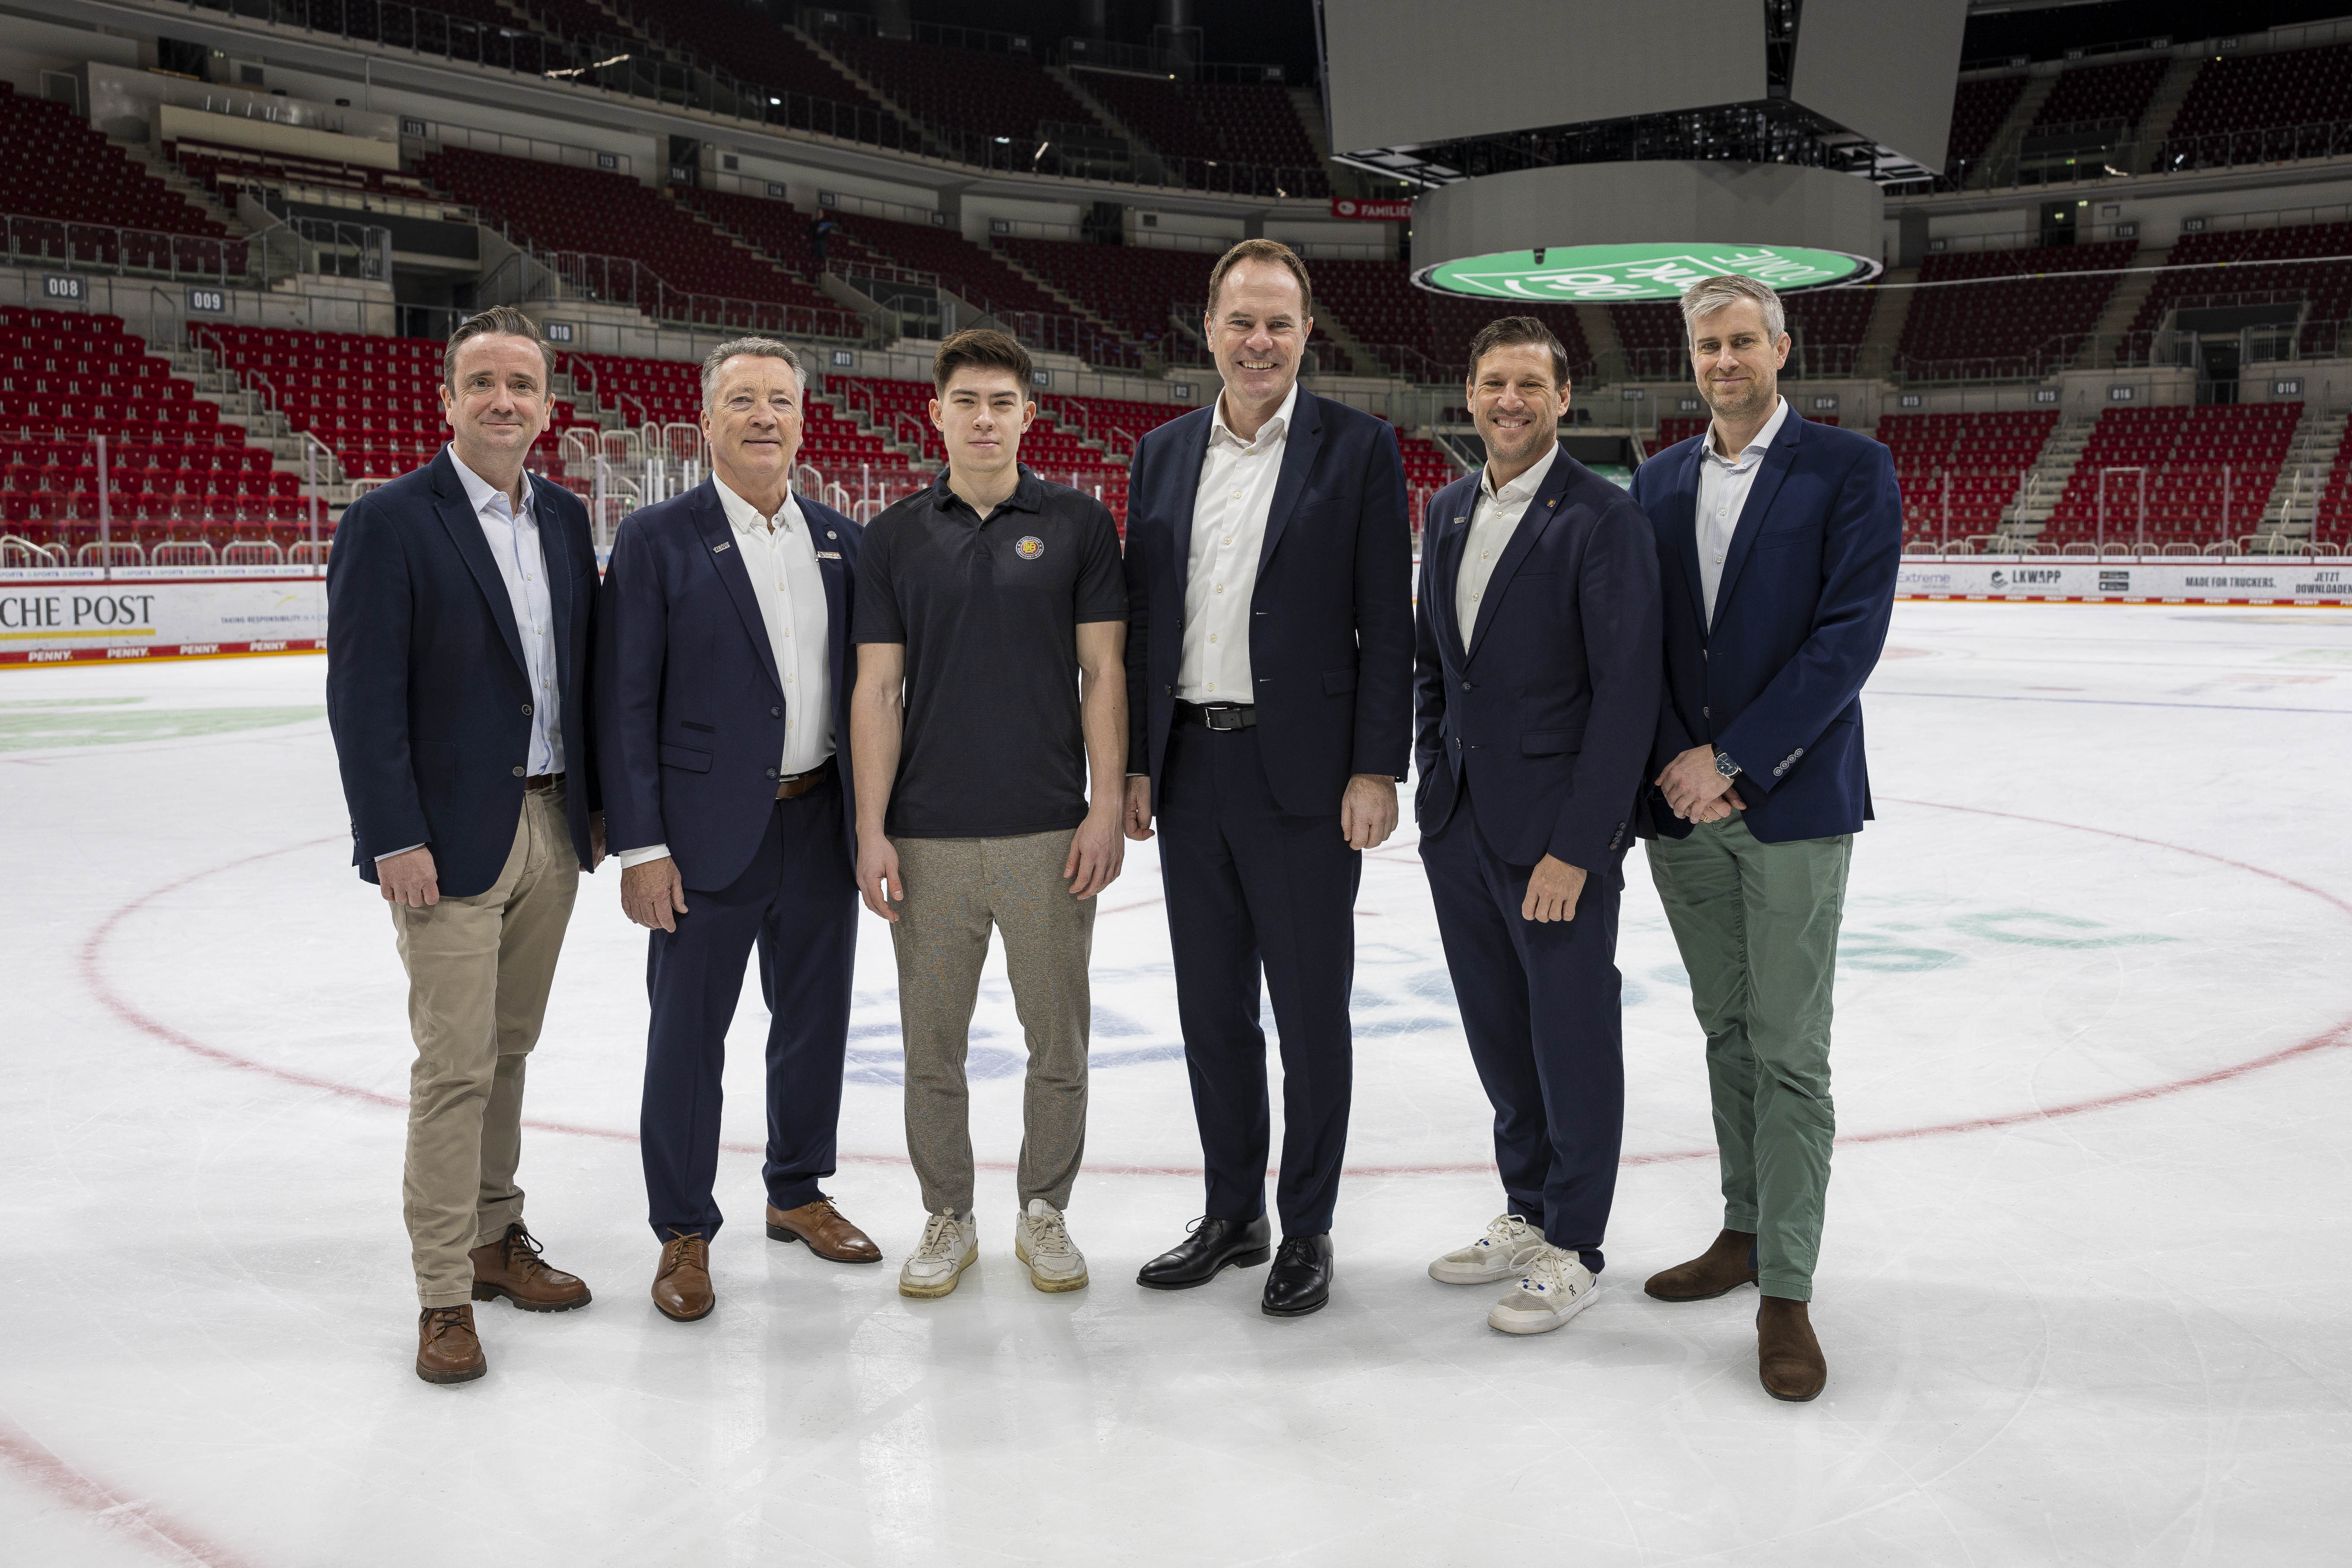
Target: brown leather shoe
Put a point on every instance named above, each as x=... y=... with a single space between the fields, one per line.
x=1719 y=1271
x=828 y=1235
x=1788 y=1358
x=682 y=1283
x=510 y=1266
x=447 y=1349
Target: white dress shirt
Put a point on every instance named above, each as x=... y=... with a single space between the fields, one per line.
x=1492 y=523
x=1229 y=513
x=1723 y=487
x=780 y=559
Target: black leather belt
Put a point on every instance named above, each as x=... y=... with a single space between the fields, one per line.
x=538 y=782
x=1216 y=715
x=791 y=786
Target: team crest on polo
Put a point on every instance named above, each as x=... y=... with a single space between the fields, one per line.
x=1030 y=547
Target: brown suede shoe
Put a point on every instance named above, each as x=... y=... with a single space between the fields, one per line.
x=828 y=1235
x=682 y=1283
x=1788 y=1358
x=1719 y=1271
x=510 y=1266
x=447 y=1349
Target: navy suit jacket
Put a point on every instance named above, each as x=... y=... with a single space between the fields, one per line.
x=693 y=707
x=1801 y=614
x=1555 y=704
x=1331 y=615
x=427 y=694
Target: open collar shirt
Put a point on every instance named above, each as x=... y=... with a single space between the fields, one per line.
x=1229 y=516
x=1491 y=523
x=522 y=566
x=1723 y=486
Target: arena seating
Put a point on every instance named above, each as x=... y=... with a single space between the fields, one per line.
x=2331 y=523
x=972 y=94
x=1978 y=108
x=1133 y=287
x=558 y=207
x=2325 y=286
x=1247 y=123
x=1427 y=470
x=2115 y=94
x=2027 y=326
x=1377 y=303
x=222 y=170
x=2236 y=99
x=980 y=277
x=374 y=402
x=2185 y=451
x=777 y=228
x=1984 y=457
x=58 y=168
x=1828 y=326
x=762 y=52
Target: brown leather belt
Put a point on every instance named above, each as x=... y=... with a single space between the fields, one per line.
x=538 y=782
x=799 y=784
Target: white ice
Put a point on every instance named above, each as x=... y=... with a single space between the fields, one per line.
x=2082 y=1291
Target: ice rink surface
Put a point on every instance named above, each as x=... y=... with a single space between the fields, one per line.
x=2084 y=1291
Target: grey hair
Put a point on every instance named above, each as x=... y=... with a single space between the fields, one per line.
x=758 y=348
x=1709 y=295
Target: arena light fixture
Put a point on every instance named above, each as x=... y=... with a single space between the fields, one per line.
x=1602 y=273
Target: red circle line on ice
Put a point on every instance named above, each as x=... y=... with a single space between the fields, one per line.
x=93 y=972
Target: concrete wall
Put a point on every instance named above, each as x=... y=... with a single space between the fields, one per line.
x=28 y=48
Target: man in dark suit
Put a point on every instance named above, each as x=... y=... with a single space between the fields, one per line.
x=1537 y=696
x=724 y=668
x=1269 y=660
x=1777 y=542
x=461 y=604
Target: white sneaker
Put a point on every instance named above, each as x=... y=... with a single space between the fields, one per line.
x=1509 y=1245
x=1042 y=1242
x=1555 y=1287
x=951 y=1244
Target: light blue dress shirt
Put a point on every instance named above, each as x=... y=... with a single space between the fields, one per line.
x=522 y=566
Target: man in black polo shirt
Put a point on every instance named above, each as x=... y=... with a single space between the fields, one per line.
x=991 y=625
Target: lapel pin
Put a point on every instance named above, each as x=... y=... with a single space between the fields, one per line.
x=719 y=549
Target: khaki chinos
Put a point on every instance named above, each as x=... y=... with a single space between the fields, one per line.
x=480 y=970
x=1758 y=927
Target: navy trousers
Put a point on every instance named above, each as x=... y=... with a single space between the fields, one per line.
x=1541 y=1004
x=797 y=903
x=1253 y=891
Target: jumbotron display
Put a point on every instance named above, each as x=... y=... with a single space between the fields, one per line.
x=1604 y=273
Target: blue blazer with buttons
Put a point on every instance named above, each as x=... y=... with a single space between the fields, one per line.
x=1800 y=613
x=1331 y=615
x=693 y=707
x=1553 y=706
x=427 y=694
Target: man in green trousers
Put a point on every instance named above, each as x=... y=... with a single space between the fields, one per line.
x=1777 y=543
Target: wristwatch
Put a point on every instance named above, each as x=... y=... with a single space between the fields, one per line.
x=1725 y=765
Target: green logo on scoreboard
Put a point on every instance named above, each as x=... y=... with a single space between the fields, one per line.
x=1600 y=273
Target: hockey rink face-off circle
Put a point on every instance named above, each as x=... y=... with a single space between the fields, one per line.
x=2091 y=1001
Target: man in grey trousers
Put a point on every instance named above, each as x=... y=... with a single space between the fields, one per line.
x=991 y=627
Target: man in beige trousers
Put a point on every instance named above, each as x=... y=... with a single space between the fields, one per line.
x=460 y=608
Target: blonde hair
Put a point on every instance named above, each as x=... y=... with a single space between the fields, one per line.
x=1709 y=295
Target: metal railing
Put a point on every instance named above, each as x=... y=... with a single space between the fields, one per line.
x=2125 y=155
x=109 y=247
x=547 y=276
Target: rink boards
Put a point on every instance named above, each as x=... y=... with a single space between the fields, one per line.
x=62 y=615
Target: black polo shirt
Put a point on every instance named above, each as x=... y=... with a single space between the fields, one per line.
x=989 y=613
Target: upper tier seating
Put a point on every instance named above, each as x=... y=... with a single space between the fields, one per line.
x=973 y=95
x=1377 y=302
x=1246 y=123
x=558 y=207
x=59 y=168
x=2197 y=460
x=756 y=50
x=2114 y=94
x=2235 y=100
x=777 y=228
x=2026 y=326
x=1135 y=288
x=374 y=402
x=1978 y=108
x=980 y=277
x=1828 y=325
x=173 y=471
x=1976 y=461
x=223 y=170
x=2326 y=285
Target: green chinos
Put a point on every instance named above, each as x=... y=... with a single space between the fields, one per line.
x=1758 y=927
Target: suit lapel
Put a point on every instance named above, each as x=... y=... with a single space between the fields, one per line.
x=1445 y=569
x=1682 y=531
x=1542 y=507
x=1184 y=478
x=554 y=554
x=1298 y=450
x=719 y=545
x=456 y=514
x=1757 y=511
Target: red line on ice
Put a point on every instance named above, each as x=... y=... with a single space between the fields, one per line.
x=150 y=1526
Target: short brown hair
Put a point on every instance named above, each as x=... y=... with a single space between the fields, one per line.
x=502 y=320
x=1272 y=250
x=981 y=348
x=1512 y=332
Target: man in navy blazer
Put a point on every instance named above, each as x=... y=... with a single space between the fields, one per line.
x=461 y=608
x=724 y=668
x=1269 y=660
x=1537 y=696
x=1778 y=543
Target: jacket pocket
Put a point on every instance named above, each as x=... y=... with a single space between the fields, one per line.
x=1549 y=743
x=1790 y=539
x=1335 y=682
x=686 y=757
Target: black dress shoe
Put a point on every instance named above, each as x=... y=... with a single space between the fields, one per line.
x=1212 y=1245
x=1300 y=1281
